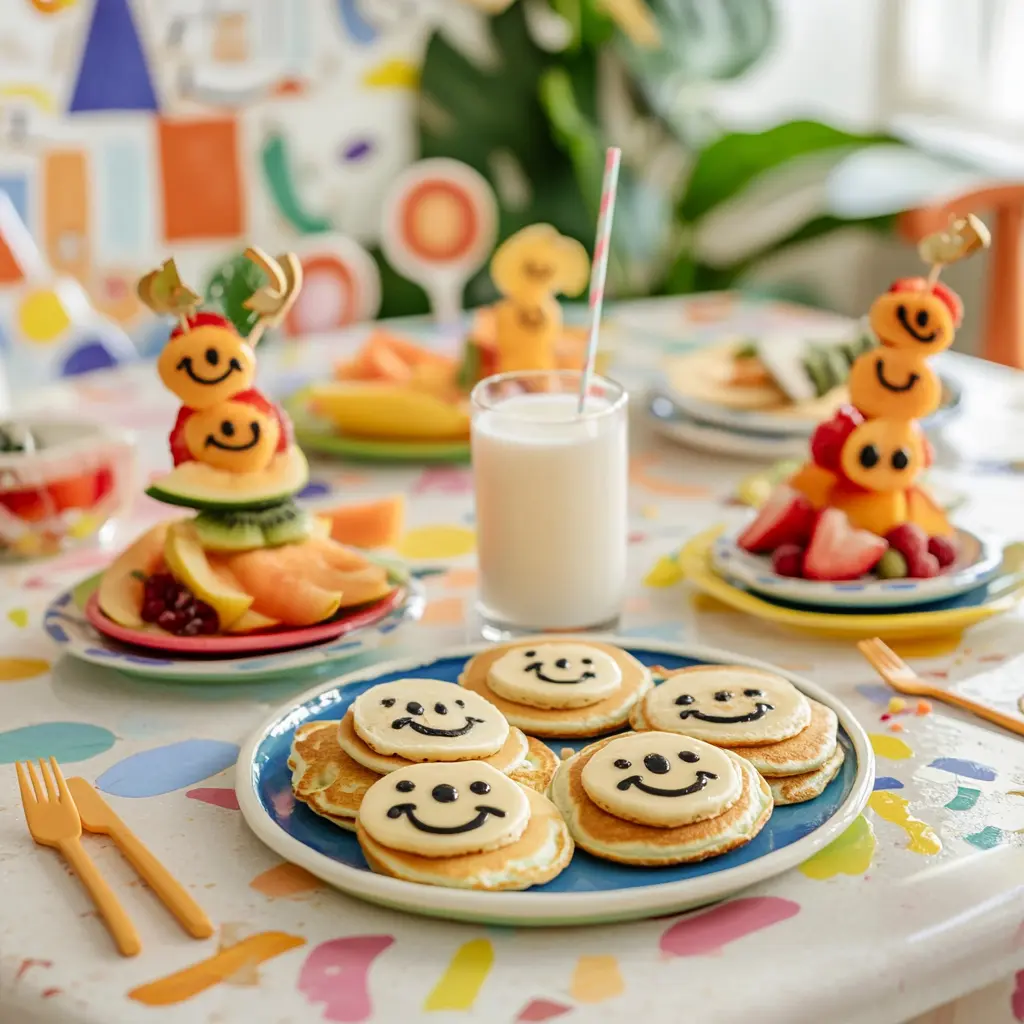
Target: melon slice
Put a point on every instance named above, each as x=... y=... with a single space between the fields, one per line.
x=373 y=524
x=122 y=584
x=188 y=563
x=251 y=621
x=924 y=511
x=196 y=485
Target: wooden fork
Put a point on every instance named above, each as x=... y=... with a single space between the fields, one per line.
x=900 y=676
x=53 y=821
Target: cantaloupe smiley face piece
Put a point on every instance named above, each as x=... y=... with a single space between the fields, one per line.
x=920 y=319
x=207 y=365
x=895 y=383
x=233 y=436
x=883 y=455
x=538 y=260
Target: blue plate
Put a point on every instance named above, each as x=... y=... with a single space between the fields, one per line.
x=589 y=890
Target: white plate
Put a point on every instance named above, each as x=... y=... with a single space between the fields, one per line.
x=977 y=562
x=590 y=891
x=66 y=624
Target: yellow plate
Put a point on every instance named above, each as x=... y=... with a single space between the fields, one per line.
x=1004 y=593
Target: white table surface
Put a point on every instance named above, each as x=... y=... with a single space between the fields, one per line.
x=885 y=928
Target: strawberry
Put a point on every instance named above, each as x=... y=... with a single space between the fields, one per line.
x=829 y=437
x=944 y=549
x=785 y=518
x=921 y=565
x=838 y=551
x=179 y=449
x=788 y=560
x=909 y=540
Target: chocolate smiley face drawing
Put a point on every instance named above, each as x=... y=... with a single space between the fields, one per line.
x=662 y=779
x=428 y=720
x=727 y=705
x=445 y=810
x=555 y=675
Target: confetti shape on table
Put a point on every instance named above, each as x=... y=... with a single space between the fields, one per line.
x=222 y=966
x=537 y=1010
x=966 y=797
x=444 y=611
x=215 y=796
x=437 y=542
x=987 y=838
x=285 y=880
x=896 y=810
x=849 y=854
x=18 y=617
x=966 y=769
x=890 y=747
x=887 y=782
x=68 y=742
x=166 y=769
x=707 y=933
x=14 y=670
x=465 y=975
x=336 y=973
x=596 y=979
x=440 y=223
x=641 y=475
x=665 y=573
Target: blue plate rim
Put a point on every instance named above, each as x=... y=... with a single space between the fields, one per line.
x=527 y=907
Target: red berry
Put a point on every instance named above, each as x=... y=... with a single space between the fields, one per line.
x=838 y=551
x=788 y=560
x=944 y=549
x=909 y=540
x=785 y=518
x=922 y=566
x=828 y=439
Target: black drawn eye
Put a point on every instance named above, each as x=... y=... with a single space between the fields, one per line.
x=480 y=788
x=445 y=794
x=388 y=702
x=657 y=763
x=623 y=763
x=753 y=693
x=588 y=661
x=440 y=708
x=684 y=698
x=688 y=756
x=461 y=703
x=405 y=786
x=531 y=654
x=414 y=708
x=723 y=695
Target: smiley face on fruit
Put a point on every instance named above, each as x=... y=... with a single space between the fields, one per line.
x=912 y=315
x=208 y=364
x=894 y=382
x=234 y=436
x=883 y=455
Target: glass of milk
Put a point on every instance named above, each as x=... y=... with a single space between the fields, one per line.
x=551 y=497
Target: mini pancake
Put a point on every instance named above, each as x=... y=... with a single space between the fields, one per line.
x=555 y=675
x=798 y=789
x=607 y=715
x=542 y=851
x=611 y=838
x=538 y=769
x=324 y=777
x=513 y=751
x=727 y=705
x=428 y=720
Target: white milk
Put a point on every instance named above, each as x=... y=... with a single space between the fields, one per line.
x=551 y=511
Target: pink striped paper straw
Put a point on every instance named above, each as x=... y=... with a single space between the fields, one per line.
x=599 y=267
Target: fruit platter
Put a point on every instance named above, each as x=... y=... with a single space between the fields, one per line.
x=854 y=527
x=249 y=570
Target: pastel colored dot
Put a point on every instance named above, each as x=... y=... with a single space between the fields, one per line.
x=314 y=489
x=968 y=769
x=42 y=317
x=891 y=747
x=89 y=356
x=896 y=705
x=14 y=670
x=18 y=617
x=67 y=741
x=165 y=769
x=666 y=573
x=216 y=796
x=437 y=542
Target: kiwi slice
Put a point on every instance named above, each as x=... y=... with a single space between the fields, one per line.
x=243 y=530
x=817 y=368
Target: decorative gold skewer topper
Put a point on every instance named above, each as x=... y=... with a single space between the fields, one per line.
x=963 y=236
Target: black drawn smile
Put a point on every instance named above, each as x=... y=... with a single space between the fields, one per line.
x=409 y=810
x=760 y=712
x=425 y=730
x=536 y=668
x=912 y=379
x=901 y=315
x=212 y=441
x=696 y=787
x=186 y=365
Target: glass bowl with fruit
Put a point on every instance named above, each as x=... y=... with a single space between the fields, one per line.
x=61 y=482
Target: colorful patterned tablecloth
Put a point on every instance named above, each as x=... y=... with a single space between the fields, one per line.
x=920 y=903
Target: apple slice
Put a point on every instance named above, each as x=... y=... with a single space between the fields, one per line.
x=838 y=551
x=785 y=518
x=123 y=582
x=188 y=563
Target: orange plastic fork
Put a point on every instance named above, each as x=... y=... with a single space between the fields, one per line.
x=53 y=821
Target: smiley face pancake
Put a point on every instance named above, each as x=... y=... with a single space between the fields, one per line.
x=659 y=778
x=728 y=705
x=428 y=720
x=797 y=789
x=462 y=825
x=540 y=706
x=562 y=675
x=738 y=804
